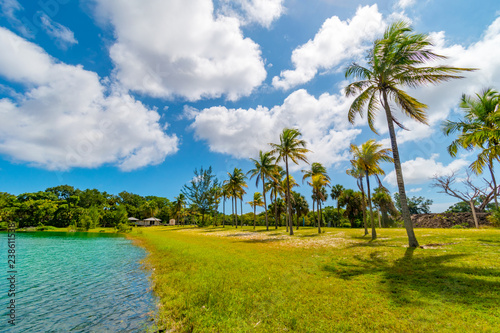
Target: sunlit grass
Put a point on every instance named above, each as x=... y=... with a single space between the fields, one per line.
x=227 y=280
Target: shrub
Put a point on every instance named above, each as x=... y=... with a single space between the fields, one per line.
x=494 y=218
x=123 y=227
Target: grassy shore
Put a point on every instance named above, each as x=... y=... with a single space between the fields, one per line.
x=238 y=280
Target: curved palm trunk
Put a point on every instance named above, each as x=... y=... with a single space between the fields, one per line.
x=289 y=208
x=363 y=204
x=490 y=166
x=372 y=220
x=265 y=204
x=319 y=216
x=241 y=211
x=314 y=212
x=224 y=212
x=412 y=239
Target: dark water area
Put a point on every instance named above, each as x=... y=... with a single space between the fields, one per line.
x=75 y=282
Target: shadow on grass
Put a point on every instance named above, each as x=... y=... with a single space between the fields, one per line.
x=410 y=280
x=493 y=242
x=262 y=241
x=308 y=236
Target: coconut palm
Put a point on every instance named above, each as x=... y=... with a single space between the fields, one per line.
x=180 y=202
x=335 y=194
x=264 y=169
x=290 y=148
x=382 y=199
x=396 y=60
x=359 y=174
x=318 y=183
x=352 y=201
x=236 y=184
x=257 y=201
x=367 y=158
x=316 y=168
x=478 y=129
x=299 y=206
x=275 y=188
x=283 y=187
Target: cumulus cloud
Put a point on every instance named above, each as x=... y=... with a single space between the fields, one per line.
x=262 y=12
x=405 y=3
x=68 y=118
x=178 y=48
x=63 y=35
x=421 y=170
x=8 y=9
x=243 y=132
x=336 y=42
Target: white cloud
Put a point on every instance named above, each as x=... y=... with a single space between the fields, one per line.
x=8 y=9
x=68 y=118
x=336 y=42
x=262 y=12
x=243 y=132
x=178 y=48
x=405 y=3
x=63 y=35
x=415 y=190
x=421 y=170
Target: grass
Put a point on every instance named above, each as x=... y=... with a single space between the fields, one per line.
x=227 y=280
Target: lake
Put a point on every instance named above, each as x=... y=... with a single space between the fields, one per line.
x=76 y=282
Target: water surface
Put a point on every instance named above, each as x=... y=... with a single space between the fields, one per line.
x=76 y=282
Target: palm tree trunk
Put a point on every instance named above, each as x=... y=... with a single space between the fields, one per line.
x=241 y=210
x=490 y=166
x=236 y=209
x=224 y=212
x=319 y=216
x=379 y=218
x=265 y=204
x=235 y=221
x=471 y=203
x=289 y=208
x=314 y=212
x=275 y=213
x=254 y=207
x=363 y=204
x=372 y=220
x=297 y=220
x=412 y=239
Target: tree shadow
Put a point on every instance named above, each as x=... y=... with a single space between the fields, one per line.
x=411 y=280
x=262 y=241
x=493 y=242
x=309 y=236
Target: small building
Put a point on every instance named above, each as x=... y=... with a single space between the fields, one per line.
x=133 y=220
x=152 y=221
x=171 y=222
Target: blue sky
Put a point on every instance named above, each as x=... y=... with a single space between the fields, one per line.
x=134 y=95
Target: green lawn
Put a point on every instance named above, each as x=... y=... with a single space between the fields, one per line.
x=237 y=280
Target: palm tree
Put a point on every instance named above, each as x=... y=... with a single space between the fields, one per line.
x=293 y=148
x=283 y=187
x=299 y=205
x=264 y=169
x=359 y=174
x=316 y=168
x=396 y=60
x=236 y=185
x=335 y=194
x=382 y=199
x=279 y=207
x=478 y=129
x=367 y=158
x=352 y=201
x=180 y=202
x=257 y=201
x=318 y=183
x=225 y=194
x=274 y=186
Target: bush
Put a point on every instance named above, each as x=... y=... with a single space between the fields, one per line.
x=494 y=218
x=123 y=227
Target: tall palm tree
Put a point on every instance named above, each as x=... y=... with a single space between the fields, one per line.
x=283 y=187
x=359 y=174
x=225 y=194
x=396 y=60
x=180 y=202
x=316 y=168
x=299 y=206
x=318 y=183
x=264 y=169
x=257 y=201
x=236 y=185
x=275 y=188
x=383 y=200
x=335 y=194
x=290 y=148
x=480 y=128
x=367 y=158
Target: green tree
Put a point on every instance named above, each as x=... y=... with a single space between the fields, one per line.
x=335 y=194
x=257 y=201
x=382 y=199
x=396 y=60
x=479 y=129
x=367 y=158
x=236 y=185
x=290 y=148
x=199 y=191
x=300 y=206
x=353 y=202
x=416 y=205
x=359 y=174
x=264 y=169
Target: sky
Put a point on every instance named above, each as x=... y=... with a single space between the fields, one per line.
x=129 y=95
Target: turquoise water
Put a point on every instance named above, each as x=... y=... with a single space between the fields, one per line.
x=76 y=282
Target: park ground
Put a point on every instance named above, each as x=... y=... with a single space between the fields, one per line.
x=239 y=280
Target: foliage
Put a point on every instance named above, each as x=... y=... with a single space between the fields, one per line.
x=416 y=205
x=494 y=218
x=199 y=191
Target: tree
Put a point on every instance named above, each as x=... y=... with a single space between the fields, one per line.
x=396 y=60
x=352 y=201
x=199 y=192
x=359 y=174
x=367 y=158
x=274 y=186
x=316 y=169
x=180 y=202
x=236 y=185
x=257 y=201
x=469 y=194
x=335 y=194
x=299 y=206
x=416 y=205
x=479 y=129
x=279 y=208
x=382 y=199
x=318 y=183
x=293 y=148
x=264 y=169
